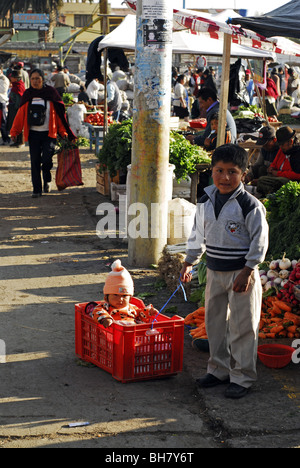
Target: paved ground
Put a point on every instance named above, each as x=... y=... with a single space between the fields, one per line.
x=51 y=259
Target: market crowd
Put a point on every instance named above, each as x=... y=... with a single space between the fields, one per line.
x=196 y=97
x=32 y=110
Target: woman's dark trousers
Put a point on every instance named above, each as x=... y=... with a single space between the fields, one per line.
x=41 y=149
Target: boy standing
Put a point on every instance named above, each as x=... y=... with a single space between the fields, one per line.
x=230 y=225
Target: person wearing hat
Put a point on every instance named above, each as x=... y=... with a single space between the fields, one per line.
x=268 y=151
x=16 y=92
x=118 y=292
x=285 y=166
x=25 y=76
x=61 y=80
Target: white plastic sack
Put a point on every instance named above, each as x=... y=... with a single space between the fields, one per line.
x=130 y=94
x=285 y=103
x=73 y=88
x=180 y=220
x=125 y=106
x=118 y=75
x=100 y=96
x=75 y=117
x=182 y=189
x=122 y=84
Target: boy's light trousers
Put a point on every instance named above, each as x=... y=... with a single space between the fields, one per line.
x=232 y=324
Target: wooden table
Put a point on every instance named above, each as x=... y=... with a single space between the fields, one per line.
x=195 y=180
x=251 y=147
x=96 y=136
x=275 y=124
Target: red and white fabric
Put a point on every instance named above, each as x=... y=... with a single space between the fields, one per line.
x=198 y=22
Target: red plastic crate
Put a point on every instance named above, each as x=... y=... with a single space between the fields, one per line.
x=127 y=352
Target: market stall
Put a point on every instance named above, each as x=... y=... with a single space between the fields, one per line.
x=124 y=37
x=184 y=42
x=230 y=34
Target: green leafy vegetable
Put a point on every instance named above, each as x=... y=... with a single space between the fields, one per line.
x=115 y=153
x=185 y=156
x=65 y=144
x=67 y=98
x=283 y=203
x=202 y=273
x=283 y=214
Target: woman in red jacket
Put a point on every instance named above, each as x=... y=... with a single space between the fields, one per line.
x=42 y=117
x=271 y=96
x=286 y=165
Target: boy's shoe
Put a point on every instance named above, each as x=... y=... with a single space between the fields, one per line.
x=36 y=195
x=236 y=391
x=210 y=380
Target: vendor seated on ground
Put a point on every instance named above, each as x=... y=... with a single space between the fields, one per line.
x=286 y=165
x=210 y=143
x=268 y=151
x=208 y=100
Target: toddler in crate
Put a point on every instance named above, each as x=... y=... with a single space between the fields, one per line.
x=116 y=306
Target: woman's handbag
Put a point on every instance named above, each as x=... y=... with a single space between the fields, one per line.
x=68 y=172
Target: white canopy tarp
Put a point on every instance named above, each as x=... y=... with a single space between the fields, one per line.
x=224 y=15
x=124 y=37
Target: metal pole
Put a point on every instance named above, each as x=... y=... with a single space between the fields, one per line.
x=148 y=204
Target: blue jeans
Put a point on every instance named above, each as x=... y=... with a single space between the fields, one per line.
x=41 y=149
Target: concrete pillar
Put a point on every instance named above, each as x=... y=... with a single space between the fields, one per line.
x=148 y=207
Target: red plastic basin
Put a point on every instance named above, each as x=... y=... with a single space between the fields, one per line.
x=275 y=356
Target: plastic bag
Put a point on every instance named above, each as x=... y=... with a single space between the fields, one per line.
x=68 y=172
x=180 y=220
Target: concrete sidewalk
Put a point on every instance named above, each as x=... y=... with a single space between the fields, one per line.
x=51 y=259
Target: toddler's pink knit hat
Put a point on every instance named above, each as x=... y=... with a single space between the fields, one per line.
x=118 y=280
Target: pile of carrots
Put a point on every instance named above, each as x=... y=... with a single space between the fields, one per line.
x=197 y=320
x=278 y=319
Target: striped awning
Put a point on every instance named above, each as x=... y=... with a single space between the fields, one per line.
x=198 y=22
